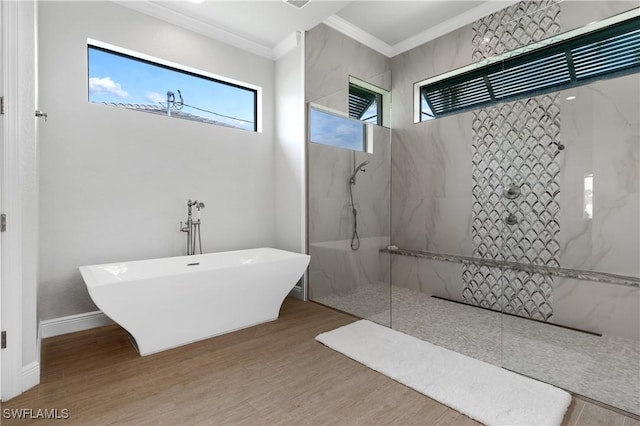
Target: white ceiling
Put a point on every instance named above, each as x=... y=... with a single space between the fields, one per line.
x=267 y=27
x=395 y=21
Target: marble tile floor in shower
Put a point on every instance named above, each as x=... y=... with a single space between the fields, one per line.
x=603 y=368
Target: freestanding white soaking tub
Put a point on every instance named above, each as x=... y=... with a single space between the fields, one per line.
x=169 y=302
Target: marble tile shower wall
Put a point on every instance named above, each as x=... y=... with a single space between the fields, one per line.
x=432 y=199
x=601 y=129
x=331 y=58
x=335 y=268
x=329 y=201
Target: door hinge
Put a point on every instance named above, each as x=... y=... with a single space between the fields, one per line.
x=2 y=105
x=3 y=222
x=3 y=340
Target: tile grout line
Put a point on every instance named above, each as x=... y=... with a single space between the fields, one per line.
x=577 y=422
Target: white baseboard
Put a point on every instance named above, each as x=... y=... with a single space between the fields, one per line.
x=73 y=323
x=30 y=375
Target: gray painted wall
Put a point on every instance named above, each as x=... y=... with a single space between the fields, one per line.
x=290 y=150
x=113 y=182
x=289 y=153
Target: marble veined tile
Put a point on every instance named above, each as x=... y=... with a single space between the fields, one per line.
x=331 y=57
x=576 y=14
x=616 y=234
x=435 y=224
x=597 y=307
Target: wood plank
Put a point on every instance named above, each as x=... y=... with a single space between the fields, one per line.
x=274 y=373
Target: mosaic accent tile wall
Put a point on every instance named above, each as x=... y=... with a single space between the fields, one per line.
x=515 y=146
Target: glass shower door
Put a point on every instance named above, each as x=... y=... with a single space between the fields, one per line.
x=571 y=237
x=349 y=167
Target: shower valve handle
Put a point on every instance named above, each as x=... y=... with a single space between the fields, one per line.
x=511 y=219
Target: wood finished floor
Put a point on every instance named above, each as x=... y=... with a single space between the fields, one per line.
x=274 y=373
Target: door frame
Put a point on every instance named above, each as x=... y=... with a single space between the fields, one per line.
x=16 y=20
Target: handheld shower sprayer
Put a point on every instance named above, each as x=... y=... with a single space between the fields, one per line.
x=199 y=206
x=360 y=168
x=192 y=227
x=355 y=239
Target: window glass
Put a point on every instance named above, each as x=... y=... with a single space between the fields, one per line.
x=364 y=104
x=126 y=81
x=332 y=129
x=606 y=49
x=369 y=102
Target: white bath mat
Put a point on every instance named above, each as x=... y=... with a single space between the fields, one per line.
x=482 y=391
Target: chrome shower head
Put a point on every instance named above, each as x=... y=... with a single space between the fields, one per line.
x=352 y=180
x=364 y=163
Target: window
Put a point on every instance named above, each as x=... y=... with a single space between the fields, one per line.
x=329 y=128
x=609 y=49
x=126 y=79
x=368 y=102
x=363 y=104
x=588 y=197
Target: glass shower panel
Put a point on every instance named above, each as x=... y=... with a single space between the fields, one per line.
x=571 y=235
x=349 y=166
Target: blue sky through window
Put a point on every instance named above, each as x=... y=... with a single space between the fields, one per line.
x=125 y=80
x=371 y=114
x=329 y=129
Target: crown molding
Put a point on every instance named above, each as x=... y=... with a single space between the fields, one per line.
x=339 y=24
x=287 y=44
x=356 y=33
x=459 y=21
x=160 y=12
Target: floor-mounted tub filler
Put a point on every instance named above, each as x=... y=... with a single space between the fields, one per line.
x=169 y=302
